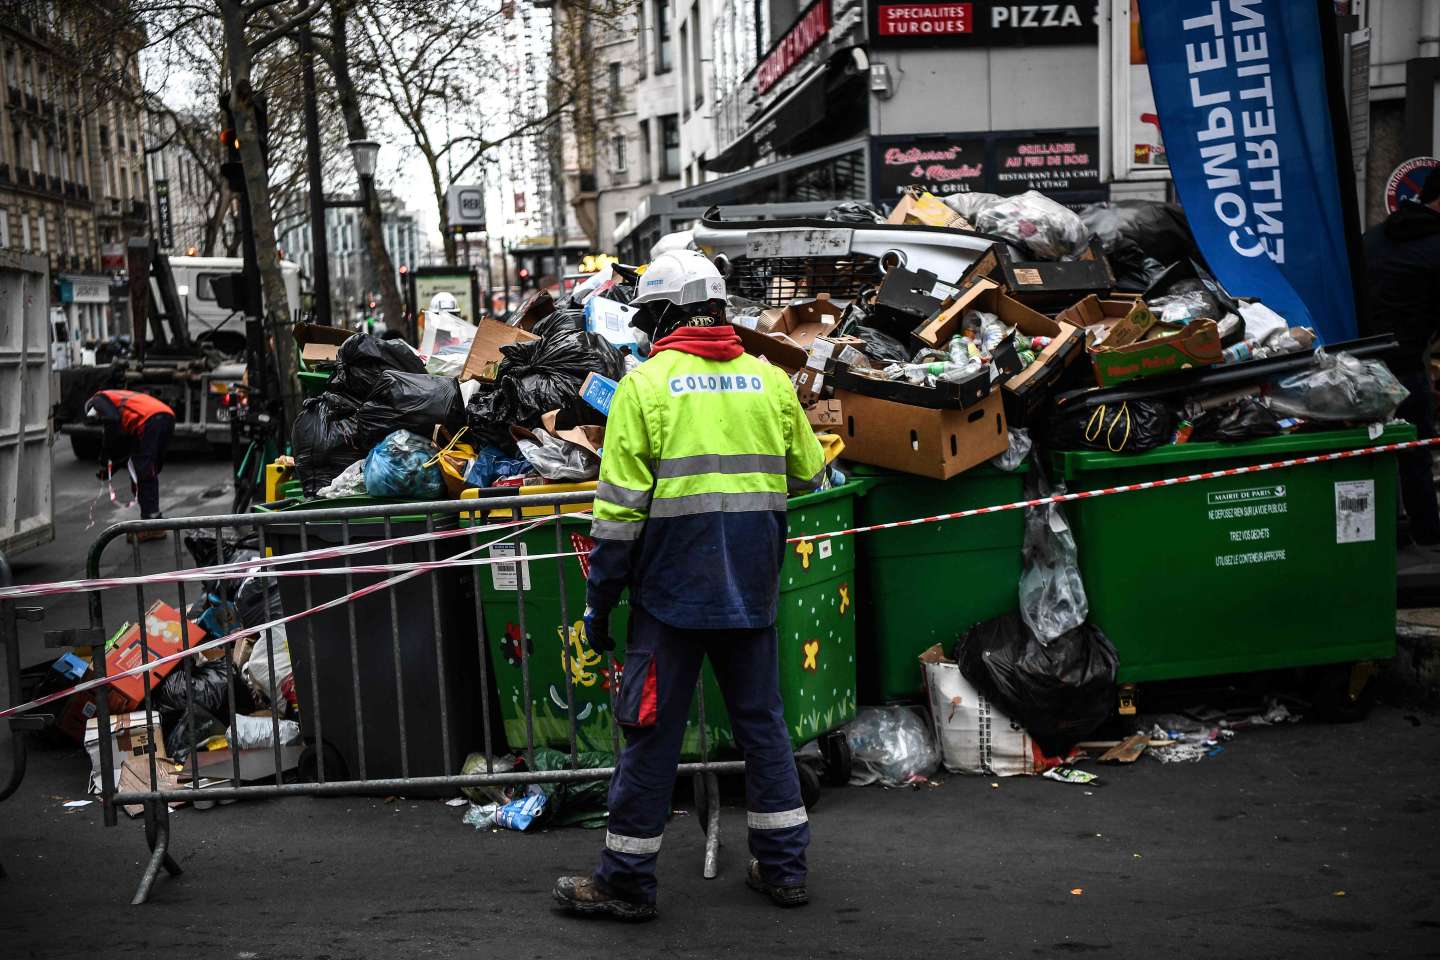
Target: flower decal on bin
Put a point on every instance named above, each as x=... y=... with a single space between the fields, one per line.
x=812 y=655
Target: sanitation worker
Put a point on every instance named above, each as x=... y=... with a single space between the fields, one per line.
x=702 y=444
x=1402 y=258
x=138 y=428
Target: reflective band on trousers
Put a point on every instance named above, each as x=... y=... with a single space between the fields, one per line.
x=641 y=845
x=719 y=463
x=622 y=496
x=776 y=821
x=616 y=529
x=696 y=503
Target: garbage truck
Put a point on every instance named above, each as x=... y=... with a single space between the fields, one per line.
x=194 y=358
x=26 y=508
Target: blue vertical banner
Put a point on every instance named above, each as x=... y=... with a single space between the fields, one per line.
x=1241 y=90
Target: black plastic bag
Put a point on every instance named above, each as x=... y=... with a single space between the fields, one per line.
x=542 y=375
x=1188 y=276
x=178 y=737
x=567 y=320
x=208 y=687
x=363 y=358
x=880 y=347
x=1131 y=426
x=258 y=601
x=487 y=426
x=855 y=211
x=1060 y=691
x=408 y=401
x=1154 y=229
x=326 y=440
x=1245 y=419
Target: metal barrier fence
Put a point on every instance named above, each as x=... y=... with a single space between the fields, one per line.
x=411 y=528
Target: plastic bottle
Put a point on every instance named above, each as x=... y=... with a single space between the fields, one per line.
x=1247 y=349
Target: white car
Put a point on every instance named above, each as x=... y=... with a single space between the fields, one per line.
x=775 y=261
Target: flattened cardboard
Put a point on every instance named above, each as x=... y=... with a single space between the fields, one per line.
x=485 y=355
x=920 y=441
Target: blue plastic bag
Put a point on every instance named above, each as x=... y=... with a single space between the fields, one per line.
x=404 y=464
x=521 y=813
x=491 y=464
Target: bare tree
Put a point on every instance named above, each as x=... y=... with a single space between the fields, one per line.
x=442 y=73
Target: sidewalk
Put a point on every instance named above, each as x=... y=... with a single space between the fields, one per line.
x=1241 y=855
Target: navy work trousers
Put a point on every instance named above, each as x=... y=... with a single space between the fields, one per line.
x=148 y=459
x=662 y=665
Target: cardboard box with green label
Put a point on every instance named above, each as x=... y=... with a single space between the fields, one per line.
x=1131 y=343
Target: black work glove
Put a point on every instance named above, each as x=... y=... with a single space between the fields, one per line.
x=597 y=630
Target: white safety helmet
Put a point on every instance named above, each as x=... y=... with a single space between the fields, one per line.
x=681 y=277
x=444 y=302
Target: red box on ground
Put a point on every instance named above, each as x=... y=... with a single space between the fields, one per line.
x=163 y=636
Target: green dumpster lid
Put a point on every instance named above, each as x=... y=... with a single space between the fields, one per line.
x=849 y=488
x=319 y=503
x=1285 y=447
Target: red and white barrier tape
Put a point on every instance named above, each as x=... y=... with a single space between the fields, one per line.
x=1127 y=488
x=179 y=655
x=241 y=569
x=410 y=570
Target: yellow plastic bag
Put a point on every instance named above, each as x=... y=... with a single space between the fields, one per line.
x=454 y=457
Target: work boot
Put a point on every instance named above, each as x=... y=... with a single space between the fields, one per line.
x=145 y=536
x=585 y=895
x=788 y=896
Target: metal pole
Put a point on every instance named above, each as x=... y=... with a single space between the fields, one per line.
x=505 y=274
x=319 y=241
x=489 y=281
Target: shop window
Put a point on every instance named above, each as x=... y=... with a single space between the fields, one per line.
x=669 y=147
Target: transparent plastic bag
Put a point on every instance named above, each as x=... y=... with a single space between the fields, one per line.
x=252 y=732
x=1052 y=595
x=1339 y=387
x=1048 y=230
x=891 y=746
x=1016 y=452
x=1186 y=308
x=350 y=483
x=557 y=459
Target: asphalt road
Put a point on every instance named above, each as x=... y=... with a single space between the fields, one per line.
x=1307 y=840
x=1299 y=841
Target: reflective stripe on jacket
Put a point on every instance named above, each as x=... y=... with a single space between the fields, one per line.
x=690 y=508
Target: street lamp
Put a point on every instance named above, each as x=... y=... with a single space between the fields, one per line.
x=365 y=153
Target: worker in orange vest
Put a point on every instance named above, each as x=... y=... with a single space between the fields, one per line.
x=138 y=428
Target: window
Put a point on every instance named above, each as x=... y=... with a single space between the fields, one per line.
x=4 y=228
x=685 y=68
x=669 y=147
x=24 y=231
x=645 y=165
x=44 y=234
x=642 y=65
x=620 y=216
x=617 y=151
x=616 y=94
x=697 y=69
x=663 y=52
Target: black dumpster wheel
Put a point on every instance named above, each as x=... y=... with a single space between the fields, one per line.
x=809 y=783
x=838 y=761
x=308 y=768
x=1343 y=692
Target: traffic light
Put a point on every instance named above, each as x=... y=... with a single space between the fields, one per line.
x=230 y=135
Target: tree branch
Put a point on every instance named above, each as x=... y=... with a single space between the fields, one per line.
x=285 y=26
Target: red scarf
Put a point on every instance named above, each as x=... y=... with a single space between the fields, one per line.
x=712 y=343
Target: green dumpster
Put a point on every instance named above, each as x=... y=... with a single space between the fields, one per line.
x=1282 y=568
x=816 y=628
x=930 y=583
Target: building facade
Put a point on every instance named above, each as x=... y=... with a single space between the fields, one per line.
x=353 y=280
x=186 y=189
x=73 y=183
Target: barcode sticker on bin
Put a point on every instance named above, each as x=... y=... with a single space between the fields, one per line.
x=504 y=576
x=1354 y=511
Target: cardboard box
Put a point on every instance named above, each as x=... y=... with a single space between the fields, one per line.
x=1046 y=285
x=129 y=736
x=1024 y=391
x=163 y=636
x=917 y=440
x=784 y=335
x=925 y=209
x=827 y=355
x=611 y=319
x=1135 y=345
x=1125 y=320
x=942 y=396
x=485 y=355
x=318 y=343
x=534 y=308
x=825 y=414
x=907 y=297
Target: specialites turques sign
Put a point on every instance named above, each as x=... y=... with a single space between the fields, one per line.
x=980 y=23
